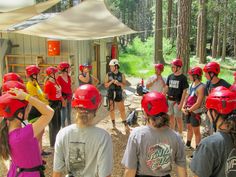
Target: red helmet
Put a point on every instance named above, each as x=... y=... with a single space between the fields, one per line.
x=195 y=71
x=87 y=96
x=13 y=84
x=177 y=62
x=219 y=88
x=159 y=66
x=212 y=67
x=154 y=103
x=233 y=88
x=32 y=70
x=12 y=77
x=81 y=67
x=8 y=105
x=51 y=70
x=223 y=101
x=63 y=65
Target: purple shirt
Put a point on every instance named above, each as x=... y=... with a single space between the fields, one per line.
x=25 y=151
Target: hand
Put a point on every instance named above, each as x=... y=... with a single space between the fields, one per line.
x=185 y=111
x=116 y=82
x=18 y=93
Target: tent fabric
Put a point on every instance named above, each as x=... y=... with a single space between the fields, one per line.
x=10 y=5
x=88 y=20
x=8 y=19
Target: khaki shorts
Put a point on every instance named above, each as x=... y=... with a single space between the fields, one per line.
x=173 y=109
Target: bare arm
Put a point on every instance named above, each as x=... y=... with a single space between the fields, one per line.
x=107 y=83
x=181 y=171
x=182 y=99
x=56 y=174
x=84 y=79
x=165 y=90
x=200 y=97
x=130 y=172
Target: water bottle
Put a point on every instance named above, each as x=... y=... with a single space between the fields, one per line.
x=105 y=101
x=142 y=82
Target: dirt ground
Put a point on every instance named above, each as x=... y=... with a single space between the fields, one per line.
x=119 y=137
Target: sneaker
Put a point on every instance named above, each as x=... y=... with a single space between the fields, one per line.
x=44 y=153
x=189 y=148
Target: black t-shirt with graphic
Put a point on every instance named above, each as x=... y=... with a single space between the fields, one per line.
x=210 y=86
x=176 y=86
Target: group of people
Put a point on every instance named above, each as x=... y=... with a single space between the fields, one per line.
x=84 y=150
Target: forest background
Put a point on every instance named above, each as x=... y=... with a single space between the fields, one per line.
x=197 y=31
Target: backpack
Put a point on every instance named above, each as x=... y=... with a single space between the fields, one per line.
x=132 y=118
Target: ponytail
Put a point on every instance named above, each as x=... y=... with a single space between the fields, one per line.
x=4 y=146
x=160 y=120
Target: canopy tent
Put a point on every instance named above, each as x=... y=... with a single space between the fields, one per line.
x=10 y=5
x=8 y=19
x=88 y=20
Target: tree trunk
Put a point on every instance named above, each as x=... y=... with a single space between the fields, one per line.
x=234 y=36
x=202 y=40
x=169 y=15
x=215 y=34
x=183 y=30
x=225 y=33
x=159 y=34
x=199 y=18
x=219 y=40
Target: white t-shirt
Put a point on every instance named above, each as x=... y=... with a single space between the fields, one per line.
x=158 y=85
x=83 y=152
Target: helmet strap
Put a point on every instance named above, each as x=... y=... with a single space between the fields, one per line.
x=214 y=120
x=34 y=78
x=211 y=75
x=22 y=110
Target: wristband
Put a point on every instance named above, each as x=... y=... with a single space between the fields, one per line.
x=27 y=97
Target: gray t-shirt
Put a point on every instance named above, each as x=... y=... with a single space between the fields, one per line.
x=152 y=152
x=158 y=86
x=211 y=155
x=83 y=152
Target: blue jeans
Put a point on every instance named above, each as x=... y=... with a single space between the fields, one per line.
x=66 y=114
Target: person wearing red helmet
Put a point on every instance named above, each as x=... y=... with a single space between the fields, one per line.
x=156 y=82
x=176 y=88
x=20 y=143
x=64 y=80
x=216 y=154
x=85 y=77
x=10 y=77
x=53 y=92
x=33 y=88
x=152 y=149
x=115 y=82
x=82 y=149
x=212 y=70
x=192 y=107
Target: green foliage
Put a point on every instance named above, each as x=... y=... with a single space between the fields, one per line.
x=146 y=49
